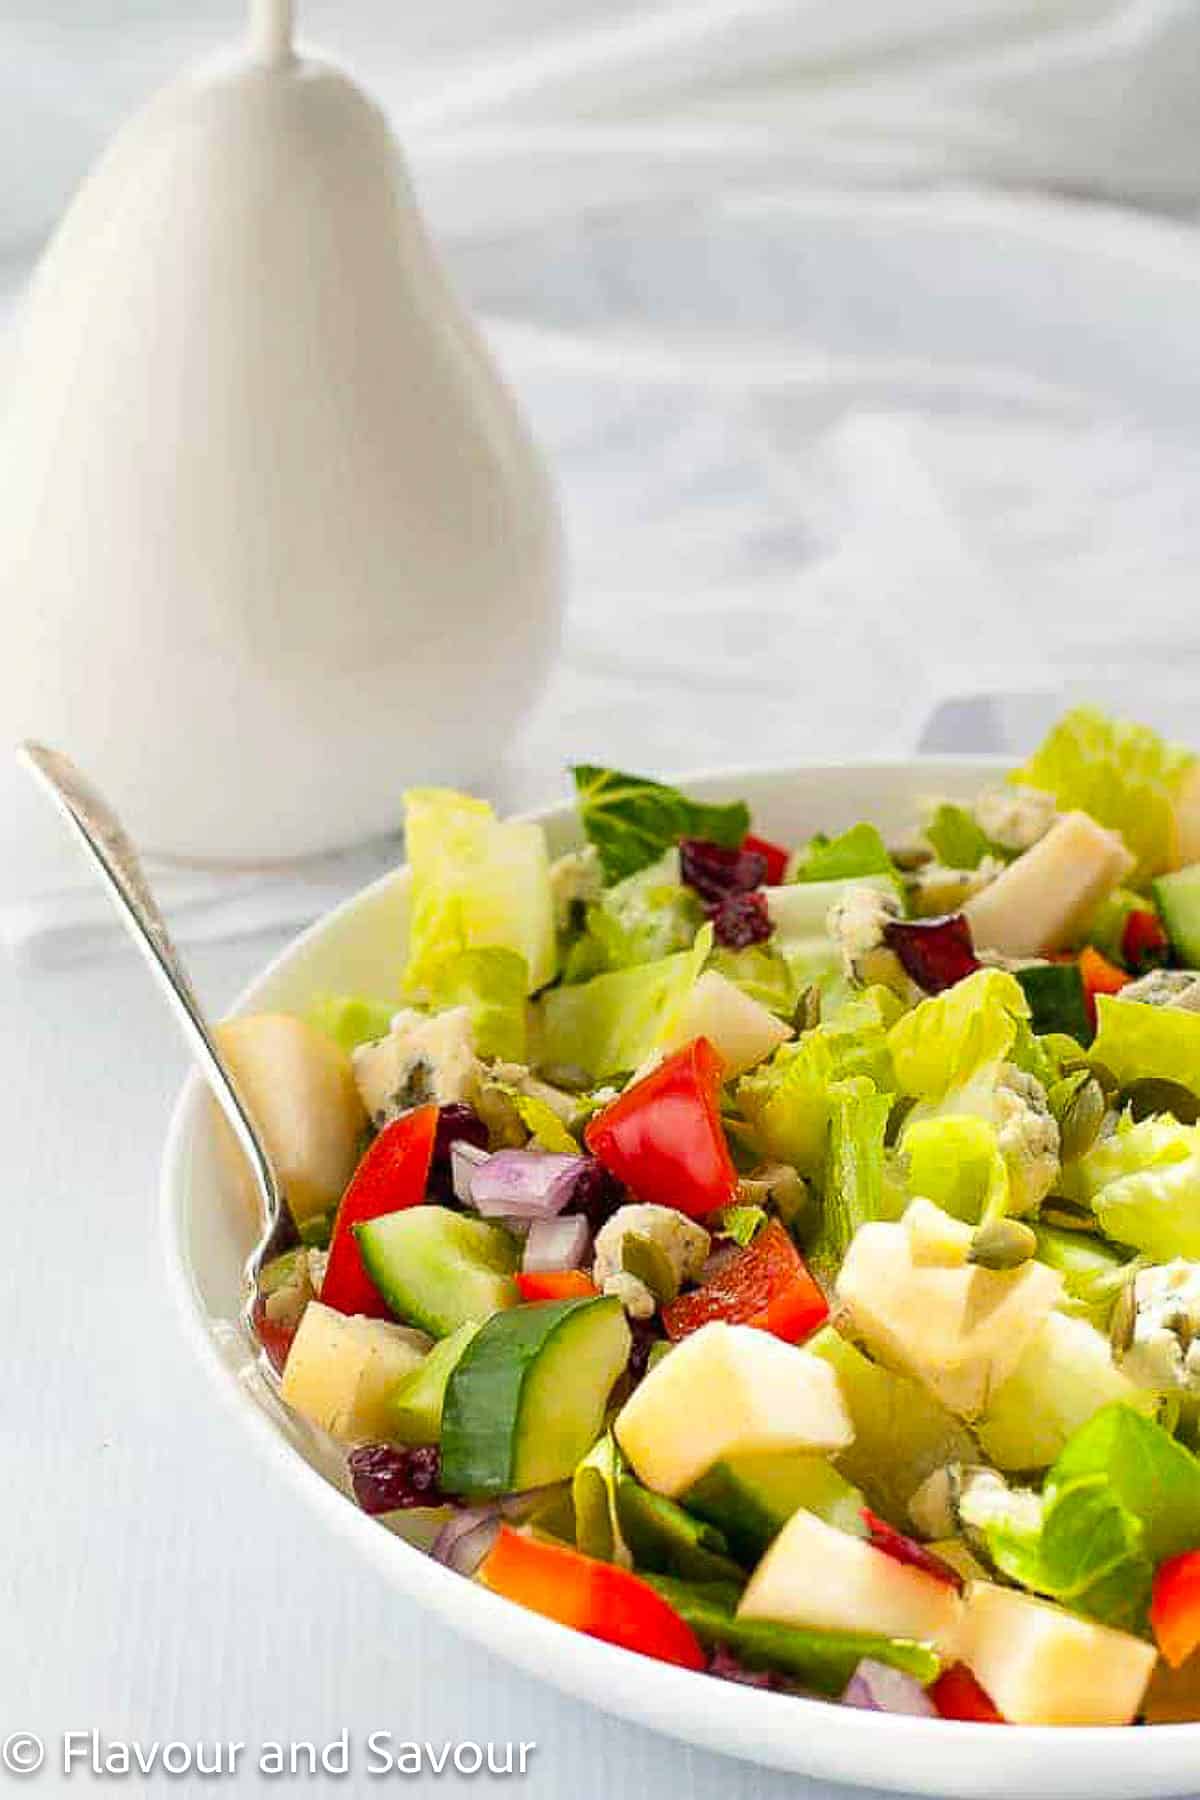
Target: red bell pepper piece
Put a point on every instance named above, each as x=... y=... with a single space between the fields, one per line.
x=391 y=1176
x=276 y=1339
x=556 y=1284
x=1175 y=1607
x=767 y=1285
x=663 y=1137
x=1143 y=941
x=774 y=855
x=1099 y=976
x=593 y=1597
x=957 y=1695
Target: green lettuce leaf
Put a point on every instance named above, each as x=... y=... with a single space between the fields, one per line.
x=1143 y=1184
x=477 y=883
x=945 y=1040
x=1121 y=1498
x=852 y=1185
x=788 y=1101
x=610 y=1025
x=641 y=919
x=1135 y=1042
x=859 y=851
x=956 y=839
x=350 y=1021
x=762 y=974
x=1124 y=775
x=956 y=1162
x=492 y=983
x=631 y=820
x=824 y=1660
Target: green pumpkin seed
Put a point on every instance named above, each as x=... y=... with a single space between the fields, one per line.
x=1079 y=1106
x=1002 y=1244
x=642 y=1257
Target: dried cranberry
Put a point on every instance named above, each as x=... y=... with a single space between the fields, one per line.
x=906 y=1550
x=726 y=1667
x=740 y=920
x=645 y=1334
x=715 y=872
x=935 y=952
x=385 y=1478
x=457 y=1124
x=596 y=1194
x=1144 y=943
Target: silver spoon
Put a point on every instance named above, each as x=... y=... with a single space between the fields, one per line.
x=117 y=863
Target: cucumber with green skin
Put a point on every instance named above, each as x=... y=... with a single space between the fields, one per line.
x=416 y=1405
x=751 y=1498
x=526 y=1400
x=1057 y=1000
x=438 y=1269
x=1178 y=899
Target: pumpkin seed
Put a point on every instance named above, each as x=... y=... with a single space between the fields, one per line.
x=1002 y=1244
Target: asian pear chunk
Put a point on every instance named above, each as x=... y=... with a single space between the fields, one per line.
x=1042 y=1665
x=728 y=1390
x=1040 y=901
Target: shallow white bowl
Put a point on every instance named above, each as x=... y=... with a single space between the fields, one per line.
x=359 y=948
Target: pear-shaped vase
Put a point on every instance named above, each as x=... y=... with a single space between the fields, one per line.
x=275 y=541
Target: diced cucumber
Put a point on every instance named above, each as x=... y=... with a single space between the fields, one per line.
x=527 y=1398
x=1178 y=899
x=751 y=1498
x=1057 y=1000
x=437 y=1268
x=416 y=1405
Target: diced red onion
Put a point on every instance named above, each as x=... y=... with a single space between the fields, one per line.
x=464 y=1160
x=465 y=1540
x=908 y=1551
x=876 y=1687
x=524 y=1184
x=561 y=1243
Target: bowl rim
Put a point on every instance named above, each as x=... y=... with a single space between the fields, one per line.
x=764 y=1728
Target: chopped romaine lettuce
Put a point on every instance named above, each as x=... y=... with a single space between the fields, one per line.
x=477 y=883
x=594 y=1493
x=956 y=1163
x=853 y=1190
x=492 y=984
x=1136 y=1042
x=1093 y=1272
x=1143 y=1184
x=947 y=1039
x=859 y=851
x=631 y=820
x=742 y=1223
x=641 y=919
x=956 y=838
x=762 y=974
x=611 y=1024
x=1124 y=775
x=1121 y=1498
x=350 y=1021
x=788 y=1101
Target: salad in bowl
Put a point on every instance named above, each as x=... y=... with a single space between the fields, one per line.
x=781 y=1260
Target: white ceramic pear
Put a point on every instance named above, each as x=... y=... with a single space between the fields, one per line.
x=274 y=540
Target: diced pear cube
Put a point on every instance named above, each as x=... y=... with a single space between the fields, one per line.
x=741 y=1030
x=960 y=1331
x=1042 y=1665
x=823 y=1579
x=728 y=1390
x=342 y=1369
x=298 y=1086
x=1043 y=898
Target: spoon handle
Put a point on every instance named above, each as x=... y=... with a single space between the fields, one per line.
x=108 y=844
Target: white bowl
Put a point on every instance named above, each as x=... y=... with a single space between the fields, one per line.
x=208 y=1236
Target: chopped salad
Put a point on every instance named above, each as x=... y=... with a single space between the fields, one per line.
x=782 y=1260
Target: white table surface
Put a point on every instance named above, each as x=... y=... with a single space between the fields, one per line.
x=156 y=1583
